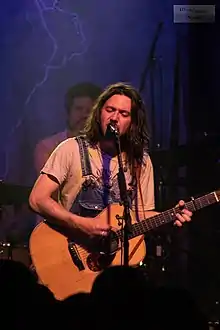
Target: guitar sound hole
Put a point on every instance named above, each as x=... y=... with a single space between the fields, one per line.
x=97 y=262
x=104 y=253
x=108 y=245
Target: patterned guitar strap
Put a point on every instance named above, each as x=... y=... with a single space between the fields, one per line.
x=138 y=171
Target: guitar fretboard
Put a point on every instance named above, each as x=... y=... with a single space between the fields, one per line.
x=170 y=215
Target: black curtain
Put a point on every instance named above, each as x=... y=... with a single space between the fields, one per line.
x=203 y=159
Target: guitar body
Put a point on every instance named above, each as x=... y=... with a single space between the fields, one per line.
x=56 y=267
x=67 y=268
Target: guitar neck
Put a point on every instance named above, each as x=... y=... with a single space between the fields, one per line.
x=170 y=215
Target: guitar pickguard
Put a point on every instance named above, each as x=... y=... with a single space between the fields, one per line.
x=108 y=245
x=97 y=261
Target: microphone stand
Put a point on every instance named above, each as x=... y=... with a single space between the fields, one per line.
x=124 y=200
x=151 y=57
x=149 y=68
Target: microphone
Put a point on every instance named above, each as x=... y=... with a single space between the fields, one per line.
x=113 y=127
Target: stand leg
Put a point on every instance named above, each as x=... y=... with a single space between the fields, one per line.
x=126 y=248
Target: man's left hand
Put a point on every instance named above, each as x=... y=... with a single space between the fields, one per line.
x=184 y=215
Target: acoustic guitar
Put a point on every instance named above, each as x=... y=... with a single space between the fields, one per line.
x=68 y=267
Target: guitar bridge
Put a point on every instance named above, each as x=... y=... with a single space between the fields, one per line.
x=75 y=256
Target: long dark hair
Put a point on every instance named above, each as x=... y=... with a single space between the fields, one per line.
x=136 y=140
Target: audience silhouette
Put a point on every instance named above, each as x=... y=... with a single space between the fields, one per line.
x=120 y=296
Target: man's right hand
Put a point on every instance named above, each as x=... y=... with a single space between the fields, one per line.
x=92 y=226
x=41 y=202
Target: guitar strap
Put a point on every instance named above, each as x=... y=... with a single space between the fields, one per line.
x=138 y=171
x=84 y=156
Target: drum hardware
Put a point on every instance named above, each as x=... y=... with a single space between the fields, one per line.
x=15 y=195
x=16 y=252
x=11 y=194
x=6 y=246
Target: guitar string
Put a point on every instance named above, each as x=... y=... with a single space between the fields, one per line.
x=138 y=226
x=137 y=230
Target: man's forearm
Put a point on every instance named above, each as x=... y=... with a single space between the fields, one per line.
x=54 y=213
